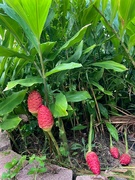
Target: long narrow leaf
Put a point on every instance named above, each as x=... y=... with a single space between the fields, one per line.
x=62 y=67
x=11 y=53
x=7 y=105
x=75 y=39
x=24 y=82
x=110 y=65
x=12 y=26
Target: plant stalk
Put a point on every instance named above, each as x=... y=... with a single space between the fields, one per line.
x=90 y=134
x=62 y=135
x=126 y=142
x=55 y=144
x=111 y=145
x=43 y=77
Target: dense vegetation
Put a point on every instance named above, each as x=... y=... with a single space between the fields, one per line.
x=79 y=54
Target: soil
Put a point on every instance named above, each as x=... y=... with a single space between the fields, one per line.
x=110 y=167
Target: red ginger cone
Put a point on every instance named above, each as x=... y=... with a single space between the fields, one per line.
x=34 y=102
x=45 y=118
x=125 y=159
x=114 y=152
x=93 y=162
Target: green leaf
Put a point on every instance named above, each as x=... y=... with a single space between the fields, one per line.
x=126 y=11
x=103 y=110
x=24 y=82
x=12 y=26
x=79 y=127
x=60 y=106
x=42 y=169
x=32 y=170
x=11 y=53
x=75 y=39
x=62 y=67
x=32 y=38
x=112 y=130
x=87 y=50
x=114 y=8
x=110 y=65
x=10 y=123
x=98 y=74
x=77 y=96
x=131 y=41
x=10 y=165
x=34 y=13
x=45 y=48
x=77 y=53
x=8 y=104
x=97 y=85
x=104 y=4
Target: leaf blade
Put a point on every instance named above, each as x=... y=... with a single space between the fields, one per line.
x=62 y=67
x=7 y=105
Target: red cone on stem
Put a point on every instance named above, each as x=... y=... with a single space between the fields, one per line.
x=34 y=102
x=93 y=162
x=114 y=152
x=45 y=118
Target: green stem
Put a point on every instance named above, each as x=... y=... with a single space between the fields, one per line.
x=111 y=145
x=55 y=143
x=90 y=134
x=63 y=135
x=43 y=77
x=126 y=142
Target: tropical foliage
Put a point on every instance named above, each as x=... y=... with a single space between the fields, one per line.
x=79 y=54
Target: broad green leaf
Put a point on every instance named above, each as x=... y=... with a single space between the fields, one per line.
x=103 y=110
x=110 y=65
x=60 y=106
x=126 y=10
x=131 y=41
x=12 y=26
x=8 y=104
x=77 y=96
x=90 y=14
x=6 y=52
x=45 y=48
x=10 y=123
x=24 y=82
x=62 y=67
x=104 y=4
x=30 y=35
x=114 y=8
x=112 y=130
x=33 y=12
